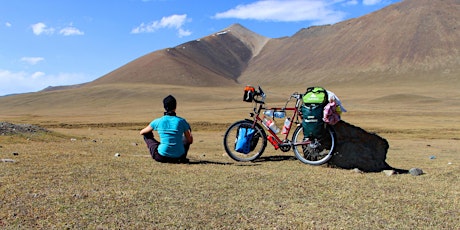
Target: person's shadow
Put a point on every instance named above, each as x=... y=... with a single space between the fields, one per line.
x=193 y=162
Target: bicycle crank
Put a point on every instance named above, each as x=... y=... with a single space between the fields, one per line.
x=285 y=146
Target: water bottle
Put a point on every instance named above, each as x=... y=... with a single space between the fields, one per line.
x=265 y=122
x=286 y=126
x=269 y=113
x=272 y=126
x=279 y=114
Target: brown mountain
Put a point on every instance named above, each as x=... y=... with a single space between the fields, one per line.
x=218 y=59
x=408 y=41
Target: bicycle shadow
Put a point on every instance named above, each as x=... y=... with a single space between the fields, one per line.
x=259 y=160
x=275 y=158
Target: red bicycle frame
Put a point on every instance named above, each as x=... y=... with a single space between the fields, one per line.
x=273 y=138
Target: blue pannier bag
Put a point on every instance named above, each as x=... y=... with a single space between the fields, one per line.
x=244 y=138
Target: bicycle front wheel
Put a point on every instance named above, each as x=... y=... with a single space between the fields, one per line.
x=258 y=142
x=314 y=152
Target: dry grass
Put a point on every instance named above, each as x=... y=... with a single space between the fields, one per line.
x=80 y=184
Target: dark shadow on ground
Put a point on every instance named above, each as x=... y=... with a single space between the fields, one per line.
x=276 y=158
x=261 y=159
x=400 y=171
x=193 y=162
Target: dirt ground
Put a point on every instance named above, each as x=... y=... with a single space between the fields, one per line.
x=72 y=178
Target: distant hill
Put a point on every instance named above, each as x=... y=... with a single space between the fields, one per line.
x=408 y=41
x=218 y=59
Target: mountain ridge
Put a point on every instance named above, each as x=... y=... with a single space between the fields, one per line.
x=411 y=36
x=217 y=59
x=411 y=40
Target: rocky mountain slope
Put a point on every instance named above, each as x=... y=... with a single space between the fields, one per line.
x=404 y=40
x=218 y=59
x=411 y=40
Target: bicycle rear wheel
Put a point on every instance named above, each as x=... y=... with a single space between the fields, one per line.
x=258 y=142
x=314 y=152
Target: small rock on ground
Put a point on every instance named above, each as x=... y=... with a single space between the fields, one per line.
x=415 y=171
x=7 y=160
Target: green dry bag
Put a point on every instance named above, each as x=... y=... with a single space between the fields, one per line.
x=315 y=95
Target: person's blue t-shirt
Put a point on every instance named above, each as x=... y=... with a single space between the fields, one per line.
x=171 y=130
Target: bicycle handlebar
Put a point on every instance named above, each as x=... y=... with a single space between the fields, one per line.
x=260 y=102
x=296 y=95
x=261 y=94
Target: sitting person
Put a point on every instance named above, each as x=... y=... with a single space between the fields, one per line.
x=175 y=135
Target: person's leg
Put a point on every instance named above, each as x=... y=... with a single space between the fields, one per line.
x=152 y=145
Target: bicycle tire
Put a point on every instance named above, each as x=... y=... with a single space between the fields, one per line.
x=318 y=152
x=230 y=137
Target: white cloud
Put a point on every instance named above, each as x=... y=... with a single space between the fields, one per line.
x=351 y=3
x=371 y=2
x=172 y=22
x=68 y=31
x=22 y=82
x=37 y=75
x=32 y=60
x=184 y=33
x=41 y=28
x=8 y=24
x=10 y=82
x=286 y=11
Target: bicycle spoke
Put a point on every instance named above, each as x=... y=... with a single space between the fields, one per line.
x=258 y=142
x=314 y=152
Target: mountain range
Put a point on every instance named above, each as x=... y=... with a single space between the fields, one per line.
x=406 y=55
x=413 y=40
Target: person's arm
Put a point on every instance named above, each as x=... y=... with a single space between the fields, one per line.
x=188 y=136
x=146 y=130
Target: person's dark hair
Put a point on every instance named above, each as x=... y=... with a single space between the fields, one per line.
x=169 y=103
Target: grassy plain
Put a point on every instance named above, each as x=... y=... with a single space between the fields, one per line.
x=70 y=179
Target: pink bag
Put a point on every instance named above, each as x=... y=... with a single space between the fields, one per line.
x=330 y=114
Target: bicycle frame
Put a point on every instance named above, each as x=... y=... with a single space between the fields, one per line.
x=259 y=106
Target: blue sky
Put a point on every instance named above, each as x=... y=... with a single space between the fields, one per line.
x=64 y=42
